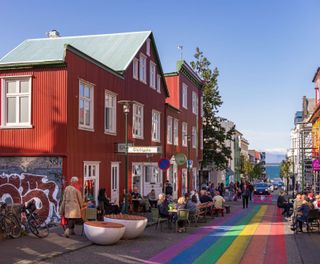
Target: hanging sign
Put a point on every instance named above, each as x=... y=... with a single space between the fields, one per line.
x=145 y=149
x=316 y=165
x=180 y=158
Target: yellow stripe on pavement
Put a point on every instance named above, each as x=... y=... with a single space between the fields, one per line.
x=239 y=245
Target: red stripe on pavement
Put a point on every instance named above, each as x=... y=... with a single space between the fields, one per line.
x=256 y=248
x=276 y=245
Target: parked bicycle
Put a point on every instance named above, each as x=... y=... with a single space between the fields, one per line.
x=9 y=223
x=33 y=222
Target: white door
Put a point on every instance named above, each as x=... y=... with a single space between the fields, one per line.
x=115 y=182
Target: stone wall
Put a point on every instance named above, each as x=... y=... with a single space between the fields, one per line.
x=25 y=178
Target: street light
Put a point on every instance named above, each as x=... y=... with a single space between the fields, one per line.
x=126 y=110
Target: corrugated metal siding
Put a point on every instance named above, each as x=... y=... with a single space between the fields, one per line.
x=48 y=135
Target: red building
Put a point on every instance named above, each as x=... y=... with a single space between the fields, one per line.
x=184 y=127
x=60 y=116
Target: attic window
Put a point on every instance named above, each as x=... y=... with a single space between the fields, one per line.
x=148 y=47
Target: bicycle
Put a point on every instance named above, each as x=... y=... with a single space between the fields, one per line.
x=9 y=223
x=33 y=222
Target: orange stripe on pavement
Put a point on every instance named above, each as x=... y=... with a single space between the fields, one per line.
x=255 y=251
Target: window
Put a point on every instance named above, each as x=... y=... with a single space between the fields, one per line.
x=158 y=83
x=201 y=138
x=194 y=178
x=148 y=47
x=135 y=68
x=184 y=134
x=169 y=130
x=91 y=180
x=143 y=68
x=184 y=96
x=152 y=75
x=194 y=137
x=195 y=103
x=85 y=105
x=137 y=121
x=201 y=105
x=151 y=174
x=155 y=126
x=16 y=102
x=110 y=112
x=175 y=132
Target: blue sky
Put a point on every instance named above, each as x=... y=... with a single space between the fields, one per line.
x=267 y=51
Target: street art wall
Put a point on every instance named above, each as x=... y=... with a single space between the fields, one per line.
x=25 y=178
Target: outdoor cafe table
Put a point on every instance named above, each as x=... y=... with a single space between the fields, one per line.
x=171 y=212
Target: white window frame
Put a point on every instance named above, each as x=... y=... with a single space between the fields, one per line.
x=91 y=101
x=158 y=83
x=195 y=105
x=152 y=75
x=113 y=129
x=176 y=132
x=184 y=134
x=155 y=128
x=169 y=130
x=17 y=95
x=96 y=177
x=143 y=68
x=135 y=69
x=184 y=96
x=201 y=138
x=194 y=137
x=138 y=134
x=148 y=47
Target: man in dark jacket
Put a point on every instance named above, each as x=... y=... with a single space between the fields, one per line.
x=283 y=203
x=304 y=210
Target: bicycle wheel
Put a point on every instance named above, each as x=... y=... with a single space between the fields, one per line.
x=12 y=225
x=38 y=226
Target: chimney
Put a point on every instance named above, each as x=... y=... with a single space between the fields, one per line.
x=53 y=34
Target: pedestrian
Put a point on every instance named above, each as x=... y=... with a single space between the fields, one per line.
x=245 y=196
x=168 y=190
x=71 y=206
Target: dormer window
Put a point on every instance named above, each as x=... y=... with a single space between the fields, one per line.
x=143 y=68
x=152 y=75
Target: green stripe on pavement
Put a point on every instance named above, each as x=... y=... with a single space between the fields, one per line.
x=215 y=251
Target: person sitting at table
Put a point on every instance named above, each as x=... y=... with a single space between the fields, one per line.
x=137 y=200
x=163 y=206
x=218 y=200
x=191 y=205
x=283 y=203
x=152 y=198
x=302 y=215
x=316 y=203
x=204 y=198
x=104 y=203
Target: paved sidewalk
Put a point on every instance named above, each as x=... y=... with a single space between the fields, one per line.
x=54 y=248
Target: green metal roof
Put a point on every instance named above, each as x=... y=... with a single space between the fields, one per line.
x=113 y=50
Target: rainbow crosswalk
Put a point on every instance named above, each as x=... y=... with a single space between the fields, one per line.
x=245 y=236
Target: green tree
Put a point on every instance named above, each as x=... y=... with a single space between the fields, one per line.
x=214 y=134
x=285 y=171
x=257 y=171
x=247 y=167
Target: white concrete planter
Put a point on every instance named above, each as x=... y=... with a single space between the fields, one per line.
x=103 y=233
x=134 y=224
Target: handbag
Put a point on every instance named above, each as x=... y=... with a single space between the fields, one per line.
x=63 y=221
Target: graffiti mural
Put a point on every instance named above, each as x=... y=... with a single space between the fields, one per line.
x=20 y=189
x=25 y=178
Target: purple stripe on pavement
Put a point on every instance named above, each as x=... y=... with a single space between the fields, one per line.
x=181 y=245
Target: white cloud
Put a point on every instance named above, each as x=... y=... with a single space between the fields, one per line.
x=277 y=150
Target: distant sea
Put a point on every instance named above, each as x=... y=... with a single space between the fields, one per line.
x=273 y=170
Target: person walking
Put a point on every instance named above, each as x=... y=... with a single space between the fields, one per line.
x=71 y=206
x=245 y=196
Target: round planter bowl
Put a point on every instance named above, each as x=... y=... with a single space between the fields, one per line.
x=134 y=224
x=103 y=233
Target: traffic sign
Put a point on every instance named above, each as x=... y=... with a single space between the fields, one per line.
x=164 y=164
x=180 y=158
x=189 y=164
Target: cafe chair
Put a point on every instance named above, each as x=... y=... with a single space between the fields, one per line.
x=182 y=215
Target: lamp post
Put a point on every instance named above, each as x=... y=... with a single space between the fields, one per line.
x=126 y=110
x=188 y=165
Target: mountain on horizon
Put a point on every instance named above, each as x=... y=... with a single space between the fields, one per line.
x=274 y=157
